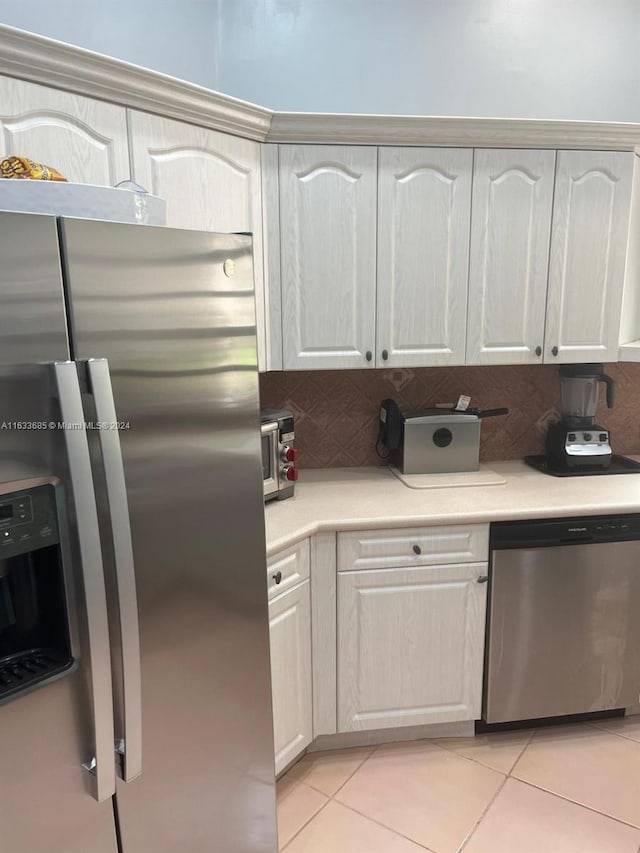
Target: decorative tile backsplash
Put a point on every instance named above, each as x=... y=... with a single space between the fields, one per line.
x=336 y=411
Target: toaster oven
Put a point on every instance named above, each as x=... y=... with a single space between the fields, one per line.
x=279 y=454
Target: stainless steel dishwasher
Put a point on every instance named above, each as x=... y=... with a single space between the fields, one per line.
x=563 y=632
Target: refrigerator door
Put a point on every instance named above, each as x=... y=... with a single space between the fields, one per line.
x=46 y=796
x=173 y=313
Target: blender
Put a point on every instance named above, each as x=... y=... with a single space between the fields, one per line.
x=576 y=441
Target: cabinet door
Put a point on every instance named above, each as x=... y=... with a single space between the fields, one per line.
x=510 y=226
x=588 y=253
x=410 y=646
x=328 y=255
x=210 y=181
x=424 y=206
x=84 y=139
x=290 y=637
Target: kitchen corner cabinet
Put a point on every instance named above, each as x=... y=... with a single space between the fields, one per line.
x=510 y=226
x=327 y=255
x=289 y=591
x=410 y=624
x=85 y=140
x=588 y=254
x=424 y=201
x=211 y=181
x=290 y=640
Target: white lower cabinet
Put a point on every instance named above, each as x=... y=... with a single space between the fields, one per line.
x=290 y=638
x=410 y=645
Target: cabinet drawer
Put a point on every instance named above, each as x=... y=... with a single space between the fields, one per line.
x=289 y=567
x=413 y=546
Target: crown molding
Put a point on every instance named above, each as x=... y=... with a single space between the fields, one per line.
x=75 y=69
x=63 y=66
x=325 y=128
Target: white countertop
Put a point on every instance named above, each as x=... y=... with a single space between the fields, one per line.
x=360 y=498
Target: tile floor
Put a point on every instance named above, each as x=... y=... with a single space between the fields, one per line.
x=567 y=789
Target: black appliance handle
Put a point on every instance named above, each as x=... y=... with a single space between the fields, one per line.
x=610 y=386
x=493 y=413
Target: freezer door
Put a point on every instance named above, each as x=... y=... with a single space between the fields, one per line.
x=46 y=796
x=173 y=313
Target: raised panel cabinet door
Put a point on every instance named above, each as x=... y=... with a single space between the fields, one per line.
x=210 y=181
x=410 y=646
x=328 y=255
x=424 y=208
x=290 y=638
x=85 y=140
x=509 y=255
x=589 y=237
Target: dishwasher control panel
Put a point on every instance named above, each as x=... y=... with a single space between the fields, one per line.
x=564 y=531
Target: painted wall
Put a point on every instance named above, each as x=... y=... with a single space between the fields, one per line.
x=176 y=37
x=336 y=411
x=564 y=59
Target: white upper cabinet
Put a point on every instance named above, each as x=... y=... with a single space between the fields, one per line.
x=510 y=227
x=424 y=203
x=327 y=257
x=588 y=252
x=85 y=140
x=211 y=182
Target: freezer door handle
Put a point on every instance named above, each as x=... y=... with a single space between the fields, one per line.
x=102 y=765
x=130 y=748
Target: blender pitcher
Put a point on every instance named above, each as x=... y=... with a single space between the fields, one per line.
x=579 y=387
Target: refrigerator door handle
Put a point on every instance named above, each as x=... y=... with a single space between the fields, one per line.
x=131 y=747
x=102 y=764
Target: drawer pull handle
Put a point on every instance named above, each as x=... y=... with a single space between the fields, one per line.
x=483 y=578
x=277 y=577
x=417 y=549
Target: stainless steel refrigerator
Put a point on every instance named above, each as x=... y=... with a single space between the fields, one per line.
x=131 y=512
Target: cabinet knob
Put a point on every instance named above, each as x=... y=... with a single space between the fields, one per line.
x=538 y=351
x=417 y=549
x=483 y=578
x=368 y=355
x=277 y=577
x=385 y=354
x=554 y=350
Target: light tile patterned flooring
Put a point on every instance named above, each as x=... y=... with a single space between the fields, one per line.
x=567 y=789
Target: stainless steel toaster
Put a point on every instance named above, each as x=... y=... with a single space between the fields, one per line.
x=433 y=442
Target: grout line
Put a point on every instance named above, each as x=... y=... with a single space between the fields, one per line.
x=522 y=752
x=617 y=734
x=576 y=803
x=384 y=826
x=468 y=836
x=351 y=775
x=353 y=772
x=306 y=823
x=477 y=760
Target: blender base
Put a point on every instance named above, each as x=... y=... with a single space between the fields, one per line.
x=618 y=465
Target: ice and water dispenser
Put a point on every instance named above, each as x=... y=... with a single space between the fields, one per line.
x=35 y=643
